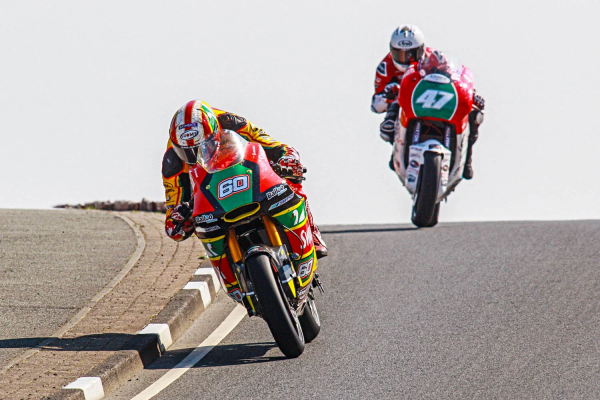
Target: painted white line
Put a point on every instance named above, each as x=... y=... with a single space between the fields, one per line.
x=163 y=332
x=195 y=356
x=204 y=291
x=91 y=386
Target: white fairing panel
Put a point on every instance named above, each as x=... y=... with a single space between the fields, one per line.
x=409 y=174
x=417 y=157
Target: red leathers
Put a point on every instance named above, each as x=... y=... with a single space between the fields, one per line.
x=386 y=73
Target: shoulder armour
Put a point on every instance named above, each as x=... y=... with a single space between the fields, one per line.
x=172 y=164
x=231 y=121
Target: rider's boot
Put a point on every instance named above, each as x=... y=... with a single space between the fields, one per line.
x=473 y=135
x=387 y=127
x=320 y=246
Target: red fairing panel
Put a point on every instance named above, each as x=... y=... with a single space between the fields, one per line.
x=201 y=204
x=464 y=89
x=268 y=178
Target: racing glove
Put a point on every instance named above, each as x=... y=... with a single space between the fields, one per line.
x=181 y=225
x=289 y=168
x=478 y=102
x=391 y=91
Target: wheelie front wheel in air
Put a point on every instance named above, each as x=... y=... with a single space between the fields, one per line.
x=309 y=320
x=425 y=209
x=276 y=311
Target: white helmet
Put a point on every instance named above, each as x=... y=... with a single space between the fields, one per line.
x=407 y=45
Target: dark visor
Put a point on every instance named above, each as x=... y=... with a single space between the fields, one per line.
x=406 y=57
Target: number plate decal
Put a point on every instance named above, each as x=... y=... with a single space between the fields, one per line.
x=233 y=185
x=435 y=100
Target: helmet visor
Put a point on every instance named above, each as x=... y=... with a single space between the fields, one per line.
x=406 y=57
x=221 y=150
x=188 y=155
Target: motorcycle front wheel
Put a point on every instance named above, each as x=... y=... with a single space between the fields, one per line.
x=276 y=311
x=425 y=209
x=309 y=320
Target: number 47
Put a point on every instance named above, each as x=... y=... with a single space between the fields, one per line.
x=428 y=99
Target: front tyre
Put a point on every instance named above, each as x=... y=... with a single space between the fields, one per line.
x=425 y=208
x=276 y=311
x=309 y=320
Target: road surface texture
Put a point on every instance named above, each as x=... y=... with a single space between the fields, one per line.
x=497 y=310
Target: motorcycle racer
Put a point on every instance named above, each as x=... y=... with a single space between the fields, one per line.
x=182 y=154
x=407 y=46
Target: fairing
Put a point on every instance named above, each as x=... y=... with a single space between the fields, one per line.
x=252 y=188
x=435 y=91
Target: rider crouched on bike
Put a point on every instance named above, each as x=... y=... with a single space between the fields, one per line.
x=407 y=46
x=182 y=152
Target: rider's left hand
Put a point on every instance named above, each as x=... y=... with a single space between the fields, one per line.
x=478 y=102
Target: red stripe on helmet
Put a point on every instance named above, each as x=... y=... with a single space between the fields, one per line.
x=189 y=108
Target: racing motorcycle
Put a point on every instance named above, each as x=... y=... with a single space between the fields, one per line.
x=255 y=230
x=431 y=132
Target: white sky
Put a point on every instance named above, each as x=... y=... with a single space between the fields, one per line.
x=88 y=90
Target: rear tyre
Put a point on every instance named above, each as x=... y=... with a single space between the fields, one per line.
x=280 y=318
x=425 y=208
x=310 y=322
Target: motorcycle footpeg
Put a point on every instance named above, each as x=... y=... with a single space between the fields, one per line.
x=317 y=283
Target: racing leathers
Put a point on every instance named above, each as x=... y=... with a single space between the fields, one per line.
x=178 y=186
x=385 y=99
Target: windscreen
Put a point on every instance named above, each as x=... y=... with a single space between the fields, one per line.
x=440 y=63
x=221 y=150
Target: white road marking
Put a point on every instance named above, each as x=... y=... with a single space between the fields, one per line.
x=204 y=291
x=91 y=387
x=164 y=334
x=232 y=320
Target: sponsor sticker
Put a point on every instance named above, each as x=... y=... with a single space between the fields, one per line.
x=437 y=78
x=205 y=219
x=188 y=135
x=382 y=69
x=411 y=178
x=414 y=163
x=405 y=43
x=291 y=196
x=209 y=229
x=277 y=191
x=186 y=126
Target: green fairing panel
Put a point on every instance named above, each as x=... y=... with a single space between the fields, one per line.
x=214 y=249
x=232 y=187
x=295 y=216
x=434 y=100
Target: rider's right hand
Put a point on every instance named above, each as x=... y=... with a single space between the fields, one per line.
x=181 y=212
x=391 y=91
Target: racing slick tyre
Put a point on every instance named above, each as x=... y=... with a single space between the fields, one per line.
x=434 y=218
x=276 y=311
x=425 y=212
x=309 y=320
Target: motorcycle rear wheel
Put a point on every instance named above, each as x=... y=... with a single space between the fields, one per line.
x=425 y=209
x=309 y=320
x=276 y=311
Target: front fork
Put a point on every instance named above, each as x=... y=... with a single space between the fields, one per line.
x=280 y=261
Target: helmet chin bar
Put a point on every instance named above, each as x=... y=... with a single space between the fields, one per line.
x=400 y=67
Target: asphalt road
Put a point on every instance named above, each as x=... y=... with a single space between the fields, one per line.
x=52 y=262
x=505 y=310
